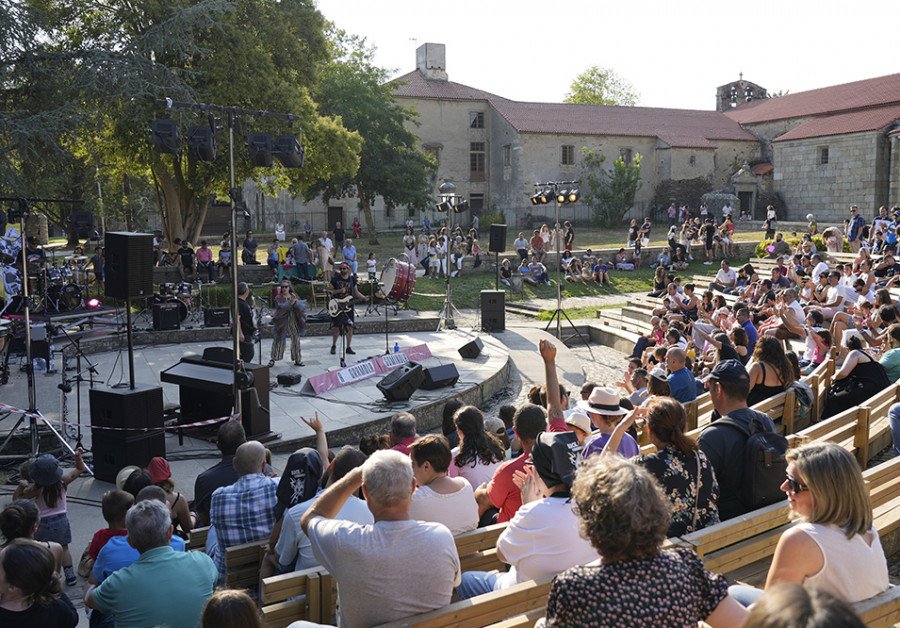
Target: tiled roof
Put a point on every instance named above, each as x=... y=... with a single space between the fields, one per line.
x=855 y=122
x=883 y=90
x=676 y=127
x=763 y=168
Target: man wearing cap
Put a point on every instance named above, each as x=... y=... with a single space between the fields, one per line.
x=723 y=445
x=682 y=384
x=854 y=229
x=543 y=538
x=343 y=284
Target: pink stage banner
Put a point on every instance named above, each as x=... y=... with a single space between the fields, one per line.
x=364 y=370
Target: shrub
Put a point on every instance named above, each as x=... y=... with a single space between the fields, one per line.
x=817 y=241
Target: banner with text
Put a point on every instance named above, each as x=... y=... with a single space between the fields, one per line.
x=381 y=365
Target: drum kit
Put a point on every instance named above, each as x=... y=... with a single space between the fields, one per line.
x=51 y=288
x=188 y=297
x=398 y=279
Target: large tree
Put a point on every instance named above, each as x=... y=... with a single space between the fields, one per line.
x=391 y=165
x=609 y=193
x=601 y=86
x=254 y=54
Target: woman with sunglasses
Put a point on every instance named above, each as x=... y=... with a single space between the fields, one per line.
x=289 y=318
x=835 y=546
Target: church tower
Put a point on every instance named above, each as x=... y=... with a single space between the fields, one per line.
x=738 y=92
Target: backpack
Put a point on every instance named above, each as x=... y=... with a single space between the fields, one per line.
x=763 y=463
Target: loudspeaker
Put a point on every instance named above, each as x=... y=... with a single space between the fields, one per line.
x=129 y=265
x=497 y=242
x=216 y=316
x=202 y=142
x=259 y=143
x=401 y=383
x=471 y=349
x=493 y=310
x=166 y=316
x=166 y=136
x=136 y=410
x=82 y=223
x=440 y=376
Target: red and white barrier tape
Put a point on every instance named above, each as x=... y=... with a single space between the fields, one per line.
x=15 y=410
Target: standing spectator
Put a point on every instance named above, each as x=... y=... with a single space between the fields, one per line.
x=855 y=229
x=349 y=253
x=250 y=247
x=537 y=246
x=570 y=236
x=98 y=262
x=727 y=210
x=301 y=253
x=357 y=228
x=377 y=583
x=338 y=236
x=205 y=261
x=708 y=232
x=673 y=214
x=164 y=587
x=475 y=223
x=324 y=252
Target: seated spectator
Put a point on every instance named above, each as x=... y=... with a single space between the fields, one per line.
x=525 y=271
x=543 y=538
x=795 y=606
x=623 y=261
x=788 y=320
x=376 y=582
x=770 y=372
x=230 y=608
x=726 y=278
x=835 y=547
x=682 y=384
x=538 y=274
x=403 y=431
x=20 y=520
x=604 y=409
x=625 y=515
x=479 y=454
x=505 y=272
x=580 y=425
x=890 y=359
x=205 y=261
x=31 y=590
x=114 y=505
x=860 y=377
x=161 y=474
x=163 y=587
x=229 y=437
x=439 y=497
x=600 y=273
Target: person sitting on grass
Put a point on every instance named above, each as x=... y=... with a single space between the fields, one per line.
x=539 y=274
x=623 y=261
x=600 y=273
x=525 y=271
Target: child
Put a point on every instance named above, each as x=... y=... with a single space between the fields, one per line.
x=48 y=489
x=114 y=505
x=371 y=266
x=506 y=414
x=434 y=262
x=811 y=227
x=822 y=339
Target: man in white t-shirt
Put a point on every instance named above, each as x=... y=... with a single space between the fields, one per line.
x=819 y=268
x=389 y=570
x=727 y=210
x=543 y=537
x=726 y=278
x=788 y=322
x=835 y=297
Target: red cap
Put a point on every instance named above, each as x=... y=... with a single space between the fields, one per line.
x=159 y=469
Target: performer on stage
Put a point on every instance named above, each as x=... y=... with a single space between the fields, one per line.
x=246 y=328
x=35 y=257
x=342 y=285
x=289 y=318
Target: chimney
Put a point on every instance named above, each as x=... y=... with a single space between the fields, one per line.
x=431 y=61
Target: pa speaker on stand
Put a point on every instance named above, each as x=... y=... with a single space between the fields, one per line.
x=136 y=418
x=497 y=245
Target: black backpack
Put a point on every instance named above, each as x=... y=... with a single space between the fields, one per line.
x=764 y=464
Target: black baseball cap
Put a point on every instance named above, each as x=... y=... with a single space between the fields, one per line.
x=729 y=369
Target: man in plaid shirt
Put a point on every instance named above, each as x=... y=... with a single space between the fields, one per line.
x=244 y=511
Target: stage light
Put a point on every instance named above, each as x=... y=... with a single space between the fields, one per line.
x=444 y=207
x=289 y=151
x=462 y=206
x=93 y=303
x=202 y=142
x=260 y=147
x=536 y=198
x=166 y=137
x=546 y=195
x=562 y=196
x=574 y=195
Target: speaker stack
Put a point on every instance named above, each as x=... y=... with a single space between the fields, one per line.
x=493 y=310
x=136 y=410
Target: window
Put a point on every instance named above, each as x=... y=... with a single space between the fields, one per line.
x=476 y=120
x=693 y=160
x=435 y=153
x=507 y=156
x=476 y=161
x=823 y=155
x=625 y=155
x=388 y=211
x=568 y=156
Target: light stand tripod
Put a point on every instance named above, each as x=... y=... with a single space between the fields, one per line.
x=451 y=204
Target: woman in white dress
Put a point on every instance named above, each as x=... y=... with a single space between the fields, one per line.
x=279 y=231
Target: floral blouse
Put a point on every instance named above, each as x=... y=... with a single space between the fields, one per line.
x=669 y=589
x=677 y=473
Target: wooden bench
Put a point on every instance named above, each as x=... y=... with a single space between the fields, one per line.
x=197 y=539
x=880 y=611
x=306 y=594
x=242 y=564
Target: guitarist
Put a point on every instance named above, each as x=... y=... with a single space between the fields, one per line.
x=343 y=284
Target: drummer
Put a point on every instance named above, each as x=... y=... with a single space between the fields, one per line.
x=98 y=261
x=343 y=284
x=35 y=257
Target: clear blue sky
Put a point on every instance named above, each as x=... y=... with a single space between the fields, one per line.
x=674 y=53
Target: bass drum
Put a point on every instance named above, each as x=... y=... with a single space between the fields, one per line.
x=182 y=306
x=399 y=279
x=67 y=297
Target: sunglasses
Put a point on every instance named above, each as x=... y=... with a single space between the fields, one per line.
x=794 y=486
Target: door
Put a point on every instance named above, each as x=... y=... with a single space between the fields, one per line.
x=335 y=215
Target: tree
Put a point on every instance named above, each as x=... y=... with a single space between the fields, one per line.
x=390 y=164
x=601 y=86
x=609 y=194
x=255 y=54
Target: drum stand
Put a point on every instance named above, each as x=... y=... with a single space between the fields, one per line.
x=373 y=307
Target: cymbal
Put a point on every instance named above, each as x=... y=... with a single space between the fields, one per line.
x=75 y=258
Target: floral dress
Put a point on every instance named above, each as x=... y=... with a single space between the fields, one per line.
x=677 y=474
x=672 y=588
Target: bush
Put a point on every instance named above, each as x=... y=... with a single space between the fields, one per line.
x=818 y=241
x=486 y=220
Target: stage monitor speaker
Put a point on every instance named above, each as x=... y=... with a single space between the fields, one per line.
x=138 y=411
x=129 y=265
x=216 y=317
x=440 y=376
x=471 y=349
x=497 y=243
x=166 y=316
x=401 y=383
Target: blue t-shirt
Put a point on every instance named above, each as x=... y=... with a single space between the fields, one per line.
x=752 y=335
x=681 y=386
x=118 y=554
x=628 y=448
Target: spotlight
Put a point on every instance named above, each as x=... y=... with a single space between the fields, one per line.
x=93 y=303
x=444 y=207
x=562 y=196
x=260 y=146
x=574 y=195
x=462 y=206
x=545 y=197
x=536 y=198
x=289 y=151
x=202 y=142
x=166 y=137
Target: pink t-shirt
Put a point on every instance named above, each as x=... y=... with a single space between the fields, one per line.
x=46 y=511
x=204 y=255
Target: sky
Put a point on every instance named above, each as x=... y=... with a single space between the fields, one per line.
x=675 y=54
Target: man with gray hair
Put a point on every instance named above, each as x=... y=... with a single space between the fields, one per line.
x=164 y=587
x=245 y=511
x=403 y=432
x=389 y=570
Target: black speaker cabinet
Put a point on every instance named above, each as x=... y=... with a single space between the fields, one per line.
x=440 y=376
x=166 y=316
x=216 y=316
x=497 y=243
x=198 y=404
x=136 y=411
x=401 y=383
x=493 y=310
x=471 y=349
x=129 y=265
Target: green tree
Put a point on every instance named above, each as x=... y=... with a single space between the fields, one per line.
x=610 y=194
x=601 y=86
x=255 y=54
x=390 y=164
